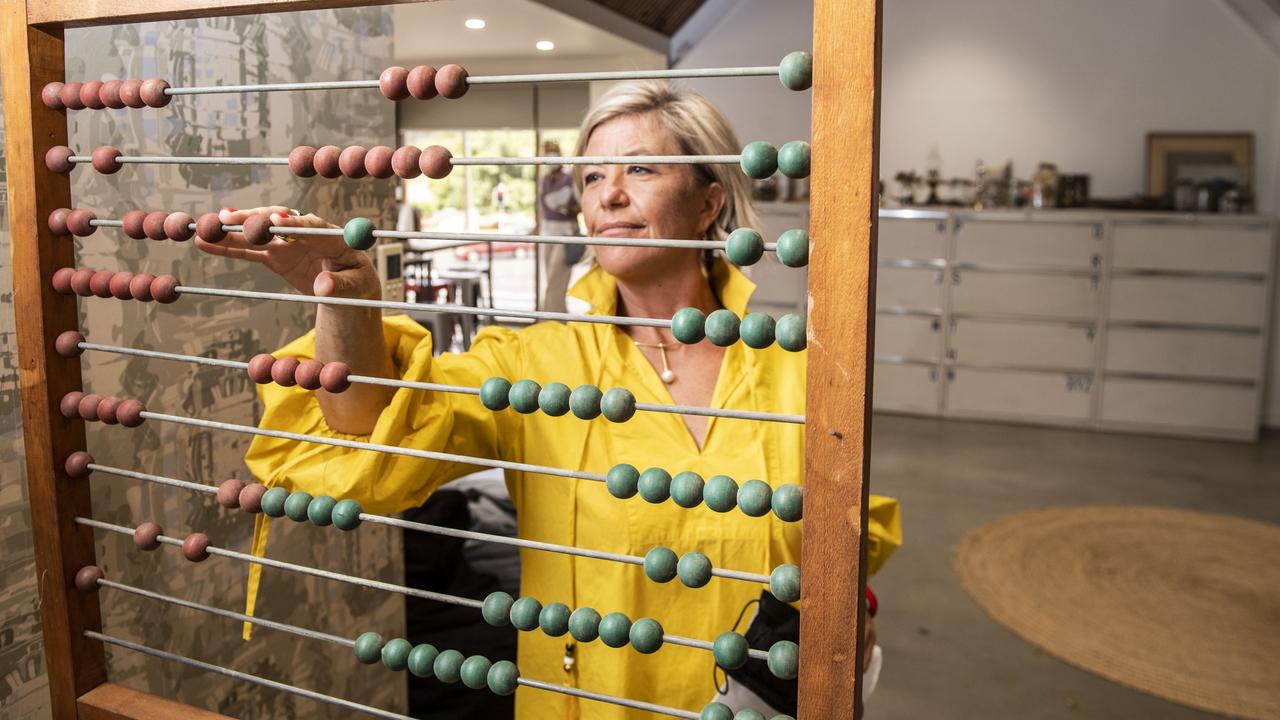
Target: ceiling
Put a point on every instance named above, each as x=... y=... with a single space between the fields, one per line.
x=664 y=16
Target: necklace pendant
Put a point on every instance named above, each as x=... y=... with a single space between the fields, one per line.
x=668 y=377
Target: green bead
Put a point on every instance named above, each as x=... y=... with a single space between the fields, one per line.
x=759 y=160
x=346 y=514
x=448 y=666
x=295 y=506
x=788 y=502
x=615 y=630
x=716 y=711
x=782 y=717
x=744 y=246
x=554 y=619
x=273 y=502
x=525 y=612
x=497 y=608
x=475 y=672
x=757 y=330
x=503 y=678
x=368 y=648
x=694 y=569
x=495 y=393
x=660 y=564
x=784 y=659
x=622 y=481
x=584 y=401
x=524 y=396
x=791 y=332
x=688 y=325
x=618 y=405
x=730 y=650
x=793 y=159
x=686 y=489
x=422 y=659
x=584 y=624
x=784 y=582
x=395 y=654
x=722 y=328
x=320 y=511
x=554 y=399
x=748 y=714
x=793 y=248
x=358 y=233
x=754 y=498
x=721 y=493
x=655 y=485
x=795 y=72
x=646 y=636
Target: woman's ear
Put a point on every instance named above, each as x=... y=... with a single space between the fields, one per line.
x=712 y=204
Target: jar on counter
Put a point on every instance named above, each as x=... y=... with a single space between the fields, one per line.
x=1044 y=186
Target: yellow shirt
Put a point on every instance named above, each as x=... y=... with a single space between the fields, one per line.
x=582 y=513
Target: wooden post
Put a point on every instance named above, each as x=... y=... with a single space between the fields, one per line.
x=844 y=186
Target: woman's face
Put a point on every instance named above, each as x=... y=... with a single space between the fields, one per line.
x=644 y=201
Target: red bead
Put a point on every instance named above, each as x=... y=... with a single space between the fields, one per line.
x=110 y=94
x=335 y=377
x=58 y=159
x=196 y=547
x=70 y=96
x=77 y=465
x=78 y=222
x=435 y=162
x=153 y=92
x=49 y=96
x=251 y=497
x=421 y=82
x=105 y=160
x=129 y=413
x=140 y=287
x=404 y=162
x=351 y=162
x=308 y=374
x=229 y=493
x=58 y=221
x=153 y=225
x=165 y=289
x=87 y=578
x=88 y=407
x=89 y=95
x=69 y=406
x=132 y=224
x=147 y=536
x=119 y=286
x=378 y=162
x=209 y=228
x=394 y=83
x=68 y=343
x=300 y=161
x=260 y=368
x=326 y=161
x=451 y=81
x=282 y=371
x=62 y=281
x=107 y=410
x=131 y=94
x=177 y=226
x=100 y=283
x=257 y=229
x=80 y=280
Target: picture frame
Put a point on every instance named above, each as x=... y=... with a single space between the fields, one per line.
x=1198 y=156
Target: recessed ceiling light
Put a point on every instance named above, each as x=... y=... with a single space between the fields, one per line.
x=545 y=45
x=474 y=24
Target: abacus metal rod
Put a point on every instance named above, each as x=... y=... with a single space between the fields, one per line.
x=457 y=161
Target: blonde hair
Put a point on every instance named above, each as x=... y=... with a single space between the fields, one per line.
x=697 y=127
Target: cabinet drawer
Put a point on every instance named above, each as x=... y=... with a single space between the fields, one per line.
x=1191 y=353
x=913 y=239
x=911 y=387
x=1024 y=294
x=1040 y=345
x=1018 y=394
x=1200 y=248
x=908 y=336
x=1188 y=300
x=1029 y=243
x=1187 y=405
x=918 y=288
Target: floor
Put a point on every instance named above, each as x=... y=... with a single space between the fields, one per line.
x=944 y=657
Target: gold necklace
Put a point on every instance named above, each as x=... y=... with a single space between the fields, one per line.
x=667 y=375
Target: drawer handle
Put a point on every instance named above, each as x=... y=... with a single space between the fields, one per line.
x=1079 y=383
x=955 y=277
x=936 y=325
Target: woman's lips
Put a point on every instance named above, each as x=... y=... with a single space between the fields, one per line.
x=619 y=230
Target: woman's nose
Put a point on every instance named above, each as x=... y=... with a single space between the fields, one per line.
x=613 y=195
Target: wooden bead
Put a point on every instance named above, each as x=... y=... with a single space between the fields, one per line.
x=147 y=536
x=722 y=328
x=105 y=160
x=618 y=405
x=120 y=284
x=177 y=225
x=257 y=229
x=164 y=289
x=404 y=162
x=273 y=502
x=554 y=399
x=346 y=515
x=496 y=609
x=793 y=248
x=394 y=83
x=615 y=629
x=320 y=511
x=377 y=162
x=784 y=660
x=435 y=162
x=790 y=332
x=421 y=82
x=655 y=485
x=660 y=564
x=153 y=225
x=721 y=493
x=77 y=465
x=351 y=162
x=152 y=92
x=107 y=410
x=358 y=233
x=80 y=280
x=730 y=650
x=131 y=94
x=129 y=413
x=300 y=161
x=757 y=330
x=62 y=281
x=140 y=286
x=622 y=481
x=110 y=94
x=229 y=493
x=584 y=401
x=523 y=396
x=784 y=582
x=68 y=343
x=686 y=489
x=422 y=660
x=251 y=497
x=759 y=160
x=448 y=666
x=325 y=161
x=89 y=95
x=58 y=159
x=307 y=375
x=744 y=246
x=100 y=283
x=88 y=407
x=395 y=654
x=335 y=377
x=646 y=636
x=49 y=95
x=295 y=506
x=451 y=81
x=504 y=677
x=525 y=612
x=260 y=368
x=87 y=578
x=716 y=711
x=554 y=619
x=795 y=72
x=584 y=624
x=196 y=547
x=58 y=221
x=132 y=224
x=694 y=569
x=282 y=371
x=688 y=325
x=69 y=406
x=788 y=502
x=70 y=96
x=495 y=393
x=793 y=159
x=474 y=672
x=209 y=228
x=368 y=648
x=79 y=222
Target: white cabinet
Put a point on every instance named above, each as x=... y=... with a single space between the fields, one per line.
x=1026 y=244
x=1198 y=408
x=906 y=387
x=1184 y=352
x=1198 y=248
x=1024 y=293
x=1199 y=300
x=912 y=337
x=1036 y=345
x=1028 y=394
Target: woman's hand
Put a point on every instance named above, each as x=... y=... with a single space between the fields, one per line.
x=313 y=264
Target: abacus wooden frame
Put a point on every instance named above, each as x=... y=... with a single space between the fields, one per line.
x=846 y=104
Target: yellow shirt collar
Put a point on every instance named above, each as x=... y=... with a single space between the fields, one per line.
x=599 y=289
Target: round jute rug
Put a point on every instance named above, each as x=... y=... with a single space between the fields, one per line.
x=1183 y=605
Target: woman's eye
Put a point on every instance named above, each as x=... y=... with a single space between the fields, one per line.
x=590 y=178
x=638 y=169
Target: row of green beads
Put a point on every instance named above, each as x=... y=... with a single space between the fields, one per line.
x=584 y=624
x=694 y=570
x=745 y=246
x=556 y=399
x=424 y=661
x=322 y=511
x=760 y=160
x=722 y=327
x=721 y=493
x=720 y=711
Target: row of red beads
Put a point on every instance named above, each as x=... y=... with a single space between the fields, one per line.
x=306 y=374
x=101 y=408
x=87 y=282
x=114 y=94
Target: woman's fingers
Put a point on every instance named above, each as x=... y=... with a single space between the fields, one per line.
x=348 y=283
x=232 y=250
